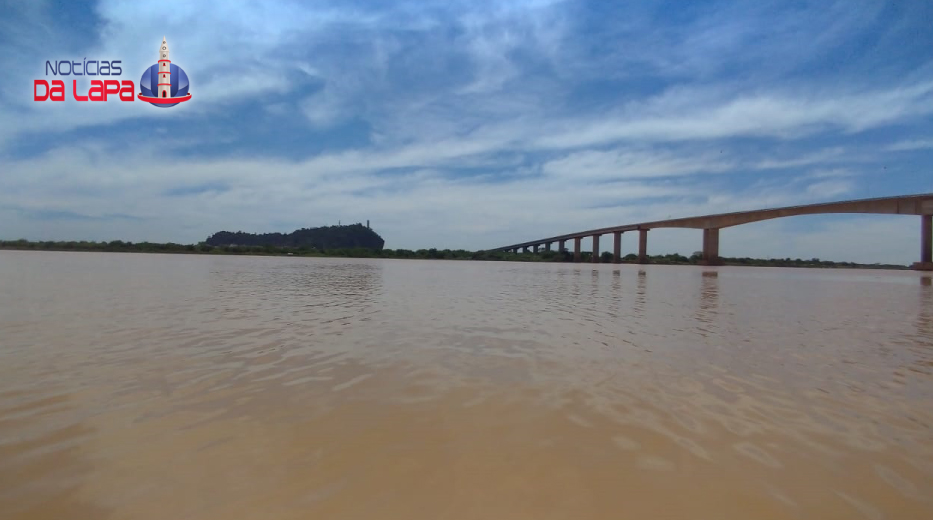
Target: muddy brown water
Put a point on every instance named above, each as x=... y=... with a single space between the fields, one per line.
x=170 y=386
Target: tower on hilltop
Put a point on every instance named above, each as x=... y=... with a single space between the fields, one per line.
x=165 y=71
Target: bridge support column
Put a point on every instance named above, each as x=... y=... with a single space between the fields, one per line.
x=711 y=247
x=595 y=258
x=576 y=249
x=642 y=246
x=547 y=246
x=562 y=245
x=536 y=248
x=525 y=249
x=617 y=247
x=926 y=244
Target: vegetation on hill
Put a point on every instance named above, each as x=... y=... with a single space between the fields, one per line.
x=355 y=236
x=427 y=254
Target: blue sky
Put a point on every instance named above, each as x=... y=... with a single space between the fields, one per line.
x=476 y=124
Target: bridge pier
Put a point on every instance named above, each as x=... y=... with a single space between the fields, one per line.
x=547 y=246
x=576 y=249
x=711 y=247
x=595 y=258
x=562 y=245
x=642 y=246
x=536 y=248
x=525 y=249
x=617 y=247
x=926 y=244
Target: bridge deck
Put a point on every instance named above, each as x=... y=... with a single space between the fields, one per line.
x=903 y=205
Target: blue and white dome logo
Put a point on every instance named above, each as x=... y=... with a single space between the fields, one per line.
x=164 y=84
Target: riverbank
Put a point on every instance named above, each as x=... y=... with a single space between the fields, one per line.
x=424 y=254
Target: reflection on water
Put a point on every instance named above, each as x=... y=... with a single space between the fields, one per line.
x=709 y=295
x=642 y=284
x=922 y=342
x=149 y=386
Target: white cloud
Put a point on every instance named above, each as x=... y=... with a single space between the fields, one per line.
x=687 y=114
x=323 y=108
x=910 y=145
x=830 y=173
x=627 y=164
x=829 y=189
x=806 y=159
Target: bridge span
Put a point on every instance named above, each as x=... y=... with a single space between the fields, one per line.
x=921 y=205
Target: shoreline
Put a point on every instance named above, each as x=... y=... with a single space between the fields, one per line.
x=429 y=254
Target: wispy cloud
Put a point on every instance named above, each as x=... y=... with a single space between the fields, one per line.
x=910 y=145
x=829 y=189
x=628 y=164
x=690 y=115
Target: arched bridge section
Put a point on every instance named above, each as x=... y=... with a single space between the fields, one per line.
x=921 y=205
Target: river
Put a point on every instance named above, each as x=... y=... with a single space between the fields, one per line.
x=216 y=387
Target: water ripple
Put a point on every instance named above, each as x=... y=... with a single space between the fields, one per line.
x=160 y=386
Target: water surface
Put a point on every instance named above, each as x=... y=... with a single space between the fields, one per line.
x=160 y=386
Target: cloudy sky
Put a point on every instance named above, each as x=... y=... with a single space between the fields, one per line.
x=468 y=124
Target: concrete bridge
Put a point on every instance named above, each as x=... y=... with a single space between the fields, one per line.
x=921 y=205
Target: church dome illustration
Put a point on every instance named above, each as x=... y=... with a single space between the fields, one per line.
x=164 y=84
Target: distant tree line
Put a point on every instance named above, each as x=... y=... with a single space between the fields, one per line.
x=115 y=246
x=119 y=246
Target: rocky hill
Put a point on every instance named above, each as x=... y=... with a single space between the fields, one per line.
x=323 y=238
